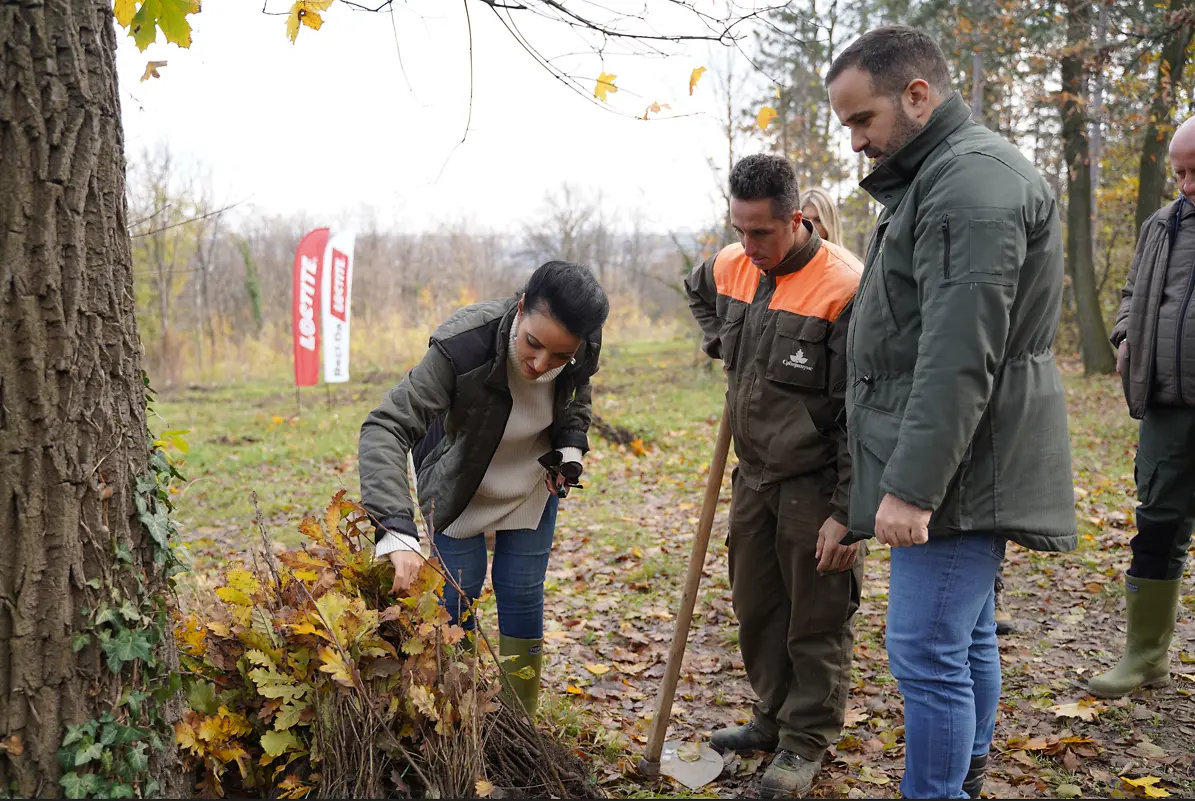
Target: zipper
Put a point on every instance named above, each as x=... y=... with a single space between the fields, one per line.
x=946 y=253
x=1178 y=337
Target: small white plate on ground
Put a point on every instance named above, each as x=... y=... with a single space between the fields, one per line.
x=692 y=764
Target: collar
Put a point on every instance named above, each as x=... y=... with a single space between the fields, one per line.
x=888 y=182
x=800 y=255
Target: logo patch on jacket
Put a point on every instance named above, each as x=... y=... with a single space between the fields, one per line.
x=798 y=360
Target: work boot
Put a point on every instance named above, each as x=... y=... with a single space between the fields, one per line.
x=1004 y=624
x=747 y=737
x=973 y=784
x=526 y=653
x=790 y=774
x=1150 y=609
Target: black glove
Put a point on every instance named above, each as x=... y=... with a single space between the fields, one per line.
x=552 y=462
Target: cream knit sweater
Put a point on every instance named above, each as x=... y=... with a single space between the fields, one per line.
x=512 y=494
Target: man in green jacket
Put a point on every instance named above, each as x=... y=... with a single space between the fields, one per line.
x=955 y=407
x=1155 y=340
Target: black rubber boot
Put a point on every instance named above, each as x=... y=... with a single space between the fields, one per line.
x=747 y=737
x=973 y=784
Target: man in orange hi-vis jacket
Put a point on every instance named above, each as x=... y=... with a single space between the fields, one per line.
x=775 y=310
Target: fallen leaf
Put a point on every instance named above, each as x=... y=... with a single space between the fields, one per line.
x=12 y=745
x=1147 y=750
x=151 y=70
x=483 y=788
x=856 y=715
x=765 y=116
x=870 y=776
x=689 y=752
x=605 y=85
x=637 y=447
x=1081 y=709
x=1146 y=785
x=597 y=670
x=1068 y=791
x=694 y=77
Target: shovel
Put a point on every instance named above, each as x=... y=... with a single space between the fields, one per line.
x=688 y=764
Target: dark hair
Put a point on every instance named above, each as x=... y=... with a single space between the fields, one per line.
x=764 y=177
x=570 y=294
x=895 y=56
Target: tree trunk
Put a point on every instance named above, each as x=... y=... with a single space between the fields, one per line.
x=72 y=402
x=1160 y=124
x=1093 y=336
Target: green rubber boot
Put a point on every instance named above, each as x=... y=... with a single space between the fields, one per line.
x=527 y=653
x=1151 y=607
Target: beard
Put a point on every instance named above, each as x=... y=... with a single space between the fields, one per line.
x=904 y=128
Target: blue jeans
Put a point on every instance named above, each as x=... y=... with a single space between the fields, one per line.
x=942 y=650
x=520 y=562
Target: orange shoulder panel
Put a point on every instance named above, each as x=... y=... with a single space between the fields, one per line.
x=734 y=274
x=823 y=287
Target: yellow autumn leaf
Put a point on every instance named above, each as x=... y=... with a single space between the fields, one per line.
x=1082 y=709
x=304 y=574
x=605 y=85
x=483 y=788
x=213 y=730
x=424 y=701
x=234 y=596
x=637 y=447
x=307 y=13
x=573 y=689
x=694 y=77
x=1146 y=785
x=186 y=737
x=237 y=725
x=764 y=118
x=655 y=108
x=124 y=10
x=151 y=70
x=243 y=580
x=598 y=670
x=335 y=666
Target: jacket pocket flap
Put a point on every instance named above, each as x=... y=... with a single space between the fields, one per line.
x=876 y=431
x=806 y=329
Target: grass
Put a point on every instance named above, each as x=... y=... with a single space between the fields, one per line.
x=622 y=542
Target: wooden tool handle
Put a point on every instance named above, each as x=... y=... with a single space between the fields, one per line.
x=680 y=636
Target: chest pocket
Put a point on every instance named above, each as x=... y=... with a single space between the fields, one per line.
x=732 y=327
x=798 y=356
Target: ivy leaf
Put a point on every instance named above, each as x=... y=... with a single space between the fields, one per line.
x=126 y=646
x=79 y=642
x=605 y=85
x=85 y=755
x=121 y=791
x=76 y=786
x=138 y=758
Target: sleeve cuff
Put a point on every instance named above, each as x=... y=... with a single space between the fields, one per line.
x=395 y=542
x=569 y=454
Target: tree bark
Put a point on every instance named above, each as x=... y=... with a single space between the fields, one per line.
x=1093 y=336
x=72 y=402
x=1160 y=124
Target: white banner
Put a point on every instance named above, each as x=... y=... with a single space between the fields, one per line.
x=337 y=301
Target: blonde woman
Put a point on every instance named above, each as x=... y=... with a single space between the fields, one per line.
x=819 y=209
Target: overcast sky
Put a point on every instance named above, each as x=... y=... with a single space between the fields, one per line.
x=329 y=126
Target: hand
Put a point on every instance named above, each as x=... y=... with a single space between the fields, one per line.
x=551 y=485
x=406 y=567
x=1122 y=355
x=899 y=523
x=832 y=557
